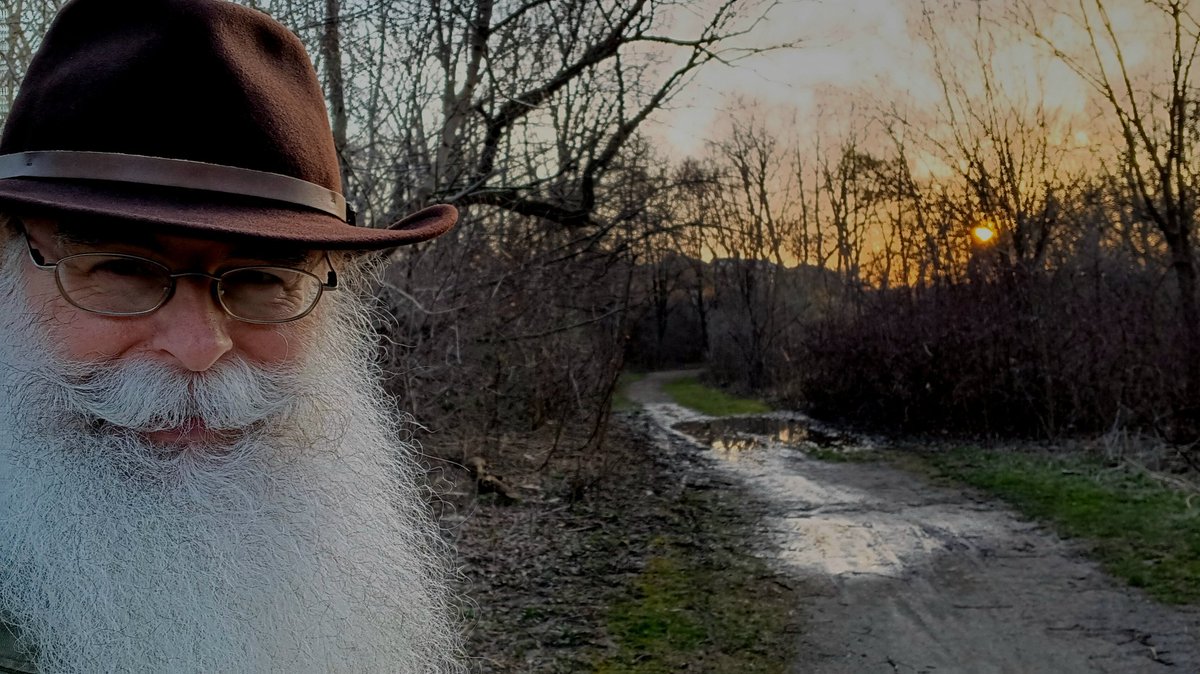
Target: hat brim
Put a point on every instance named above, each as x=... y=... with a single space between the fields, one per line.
x=220 y=216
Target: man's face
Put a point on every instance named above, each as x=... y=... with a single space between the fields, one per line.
x=191 y=332
x=295 y=493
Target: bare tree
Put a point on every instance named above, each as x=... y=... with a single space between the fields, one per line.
x=1156 y=123
x=22 y=23
x=751 y=207
x=522 y=105
x=850 y=197
x=1004 y=142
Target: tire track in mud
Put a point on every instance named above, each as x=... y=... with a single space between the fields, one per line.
x=912 y=577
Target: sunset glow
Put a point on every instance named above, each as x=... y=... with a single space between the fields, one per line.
x=983 y=233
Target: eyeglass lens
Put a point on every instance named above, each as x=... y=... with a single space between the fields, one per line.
x=268 y=293
x=129 y=285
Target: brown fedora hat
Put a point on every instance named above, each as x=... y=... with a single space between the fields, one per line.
x=198 y=115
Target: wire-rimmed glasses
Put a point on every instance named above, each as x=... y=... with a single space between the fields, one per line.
x=116 y=284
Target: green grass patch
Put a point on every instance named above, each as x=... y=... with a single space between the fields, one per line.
x=689 y=392
x=661 y=617
x=621 y=400
x=843 y=456
x=1140 y=530
x=711 y=616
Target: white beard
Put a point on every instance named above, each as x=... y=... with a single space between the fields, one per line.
x=303 y=546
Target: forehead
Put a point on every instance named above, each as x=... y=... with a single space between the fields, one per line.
x=166 y=244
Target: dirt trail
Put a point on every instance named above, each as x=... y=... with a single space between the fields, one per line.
x=912 y=577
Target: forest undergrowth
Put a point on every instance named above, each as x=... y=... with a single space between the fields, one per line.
x=648 y=571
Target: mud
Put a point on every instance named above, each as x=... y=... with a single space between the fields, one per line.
x=737 y=434
x=915 y=577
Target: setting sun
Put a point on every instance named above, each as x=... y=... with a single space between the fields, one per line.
x=983 y=233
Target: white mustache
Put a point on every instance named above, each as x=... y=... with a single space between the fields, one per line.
x=147 y=396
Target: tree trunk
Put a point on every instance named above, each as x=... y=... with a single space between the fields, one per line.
x=1184 y=266
x=331 y=59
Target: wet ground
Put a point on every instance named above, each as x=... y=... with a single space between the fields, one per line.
x=733 y=435
x=914 y=577
x=544 y=576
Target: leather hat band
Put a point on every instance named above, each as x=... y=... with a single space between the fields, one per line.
x=163 y=172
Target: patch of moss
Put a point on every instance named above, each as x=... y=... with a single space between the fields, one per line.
x=689 y=392
x=661 y=617
x=720 y=611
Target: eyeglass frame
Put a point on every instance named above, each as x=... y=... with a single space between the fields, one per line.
x=39 y=261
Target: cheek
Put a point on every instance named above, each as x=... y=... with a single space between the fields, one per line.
x=87 y=338
x=74 y=334
x=273 y=344
x=284 y=343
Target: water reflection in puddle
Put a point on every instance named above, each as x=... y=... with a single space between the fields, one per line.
x=852 y=544
x=734 y=435
x=818 y=524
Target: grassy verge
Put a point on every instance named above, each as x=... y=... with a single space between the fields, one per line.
x=714 y=609
x=689 y=392
x=842 y=456
x=621 y=399
x=1140 y=530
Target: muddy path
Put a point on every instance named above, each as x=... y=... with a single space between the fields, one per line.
x=907 y=576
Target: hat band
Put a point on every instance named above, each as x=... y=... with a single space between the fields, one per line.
x=163 y=172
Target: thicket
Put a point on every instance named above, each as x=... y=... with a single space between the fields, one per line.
x=1085 y=347
x=1072 y=351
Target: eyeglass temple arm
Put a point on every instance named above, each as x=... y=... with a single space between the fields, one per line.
x=39 y=260
x=331 y=282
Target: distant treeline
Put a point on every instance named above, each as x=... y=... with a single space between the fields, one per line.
x=1082 y=348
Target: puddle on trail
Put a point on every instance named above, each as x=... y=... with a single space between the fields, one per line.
x=731 y=436
x=818 y=522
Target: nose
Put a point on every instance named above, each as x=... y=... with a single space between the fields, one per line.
x=191 y=328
